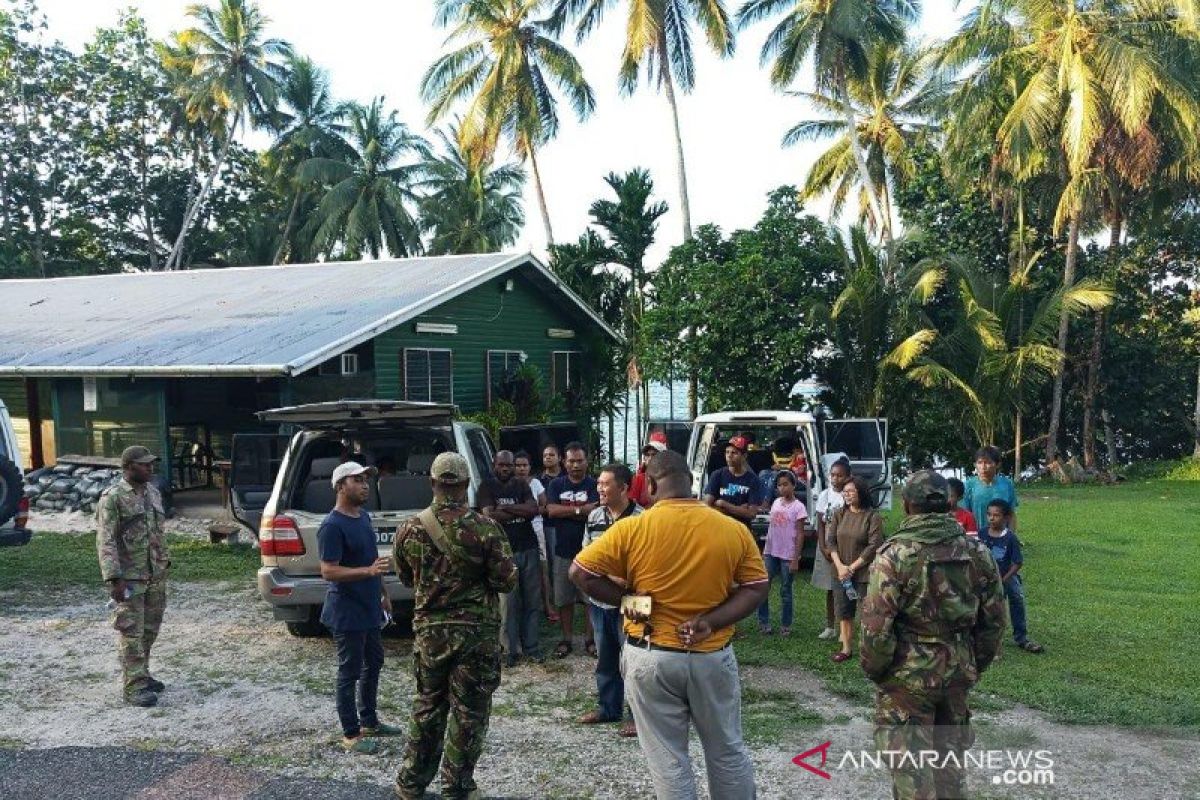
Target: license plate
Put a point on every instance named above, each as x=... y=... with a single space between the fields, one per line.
x=385 y=537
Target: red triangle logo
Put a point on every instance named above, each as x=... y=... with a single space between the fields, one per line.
x=823 y=749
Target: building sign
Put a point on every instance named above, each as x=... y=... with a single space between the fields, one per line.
x=91 y=400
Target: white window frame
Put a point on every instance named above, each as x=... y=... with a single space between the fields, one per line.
x=487 y=366
x=554 y=367
x=429 y=370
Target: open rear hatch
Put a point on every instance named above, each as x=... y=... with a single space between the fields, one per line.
x=358 y=414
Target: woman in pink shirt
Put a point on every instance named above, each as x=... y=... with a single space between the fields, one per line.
x=781 y=554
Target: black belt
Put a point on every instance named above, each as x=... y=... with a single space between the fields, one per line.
x=647 y=645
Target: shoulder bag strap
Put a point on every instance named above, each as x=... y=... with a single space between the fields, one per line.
x=436 y=532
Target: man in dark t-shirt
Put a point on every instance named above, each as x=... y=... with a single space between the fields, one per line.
x=355 y=606
x=569 y=500
x=507 y=500
x=735 y=490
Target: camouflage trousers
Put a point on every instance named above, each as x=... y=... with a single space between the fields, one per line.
x=920 y=721
x=137 y=621
x=457 y=669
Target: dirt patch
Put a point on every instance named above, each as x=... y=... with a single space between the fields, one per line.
x=242 y=688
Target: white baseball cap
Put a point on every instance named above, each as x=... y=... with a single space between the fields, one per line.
x=351 y=468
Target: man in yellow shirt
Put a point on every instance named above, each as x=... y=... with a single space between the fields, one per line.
x=703 y=572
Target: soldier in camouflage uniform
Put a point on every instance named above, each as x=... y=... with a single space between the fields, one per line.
x=133 y=562
x=932 y=622
x=456 y=627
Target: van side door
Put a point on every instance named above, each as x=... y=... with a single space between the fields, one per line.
x=864 y=441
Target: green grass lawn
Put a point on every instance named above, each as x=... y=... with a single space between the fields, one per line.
x=62 y=561
x=1112 y=582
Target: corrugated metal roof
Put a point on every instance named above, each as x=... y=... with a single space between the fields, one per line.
x=240 y=321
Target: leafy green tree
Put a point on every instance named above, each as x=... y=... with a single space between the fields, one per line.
x=368 y=202
x=738 y=310
x=307 y=124
x=839 y=37
x=658 y=43
x=231 y=74
x=505 y=68
x=42 y=231
x=469 y=204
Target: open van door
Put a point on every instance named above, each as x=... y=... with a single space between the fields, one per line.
x=701 y=443
x=865 y=442
x=255 y=462
x=678 y=433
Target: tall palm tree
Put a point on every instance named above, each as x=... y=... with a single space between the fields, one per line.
x=658 y=42
x=365 y=207
x=838 y=35
x=891 y=106
x=469 y=205
x=231 y=75
x=504 y=66
x=1078 y=70
x=307 y=124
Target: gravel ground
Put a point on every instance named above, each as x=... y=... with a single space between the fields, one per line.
x=83 y=523
x=242 y=689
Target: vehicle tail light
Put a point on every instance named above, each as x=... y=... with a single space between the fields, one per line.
x=22 y=517
x=280 y=536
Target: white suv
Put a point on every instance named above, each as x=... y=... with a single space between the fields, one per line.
x=14 y=506
x=863 y=441
x=281 y=486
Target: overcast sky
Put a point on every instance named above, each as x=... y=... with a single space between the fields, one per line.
x=732 y=122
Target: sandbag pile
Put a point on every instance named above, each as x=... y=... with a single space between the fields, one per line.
x=68 y=487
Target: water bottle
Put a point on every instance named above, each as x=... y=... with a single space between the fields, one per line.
x=848 y=588
x=111 y=605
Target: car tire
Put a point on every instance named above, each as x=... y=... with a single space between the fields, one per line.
x=310 y=628
x=11 y=489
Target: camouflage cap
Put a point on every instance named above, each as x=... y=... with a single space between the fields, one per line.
x=450 y=468
x=926 y=486
x=137 y=455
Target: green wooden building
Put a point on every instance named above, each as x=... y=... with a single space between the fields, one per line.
x=182 y=360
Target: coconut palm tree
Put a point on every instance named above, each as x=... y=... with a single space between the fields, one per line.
x=469 y=204
x=307 y=124
x=505 y=66
x=891 y=106
x=991 y=355
x=366 y=204
x=658 y=43
x=839 y=36
x=230 y=77
x=862 y=322
x=1078 y=71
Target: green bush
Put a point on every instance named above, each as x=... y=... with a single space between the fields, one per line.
x=1184 y=469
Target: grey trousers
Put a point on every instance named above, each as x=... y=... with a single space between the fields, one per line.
x=670 y=691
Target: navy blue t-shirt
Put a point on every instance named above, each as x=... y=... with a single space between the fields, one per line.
x=740 y=490
x=1006 y=548
x=568 y=531
x=350 y=542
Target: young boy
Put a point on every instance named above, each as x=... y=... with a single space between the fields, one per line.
x=964 y=517
x=1006 y=549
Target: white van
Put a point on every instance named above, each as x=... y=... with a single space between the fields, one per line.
x=864 y=441
x=14 y=506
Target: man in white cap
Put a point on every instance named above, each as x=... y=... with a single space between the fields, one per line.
x=355 y=605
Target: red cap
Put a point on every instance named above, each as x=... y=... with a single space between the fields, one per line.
x=739 y=442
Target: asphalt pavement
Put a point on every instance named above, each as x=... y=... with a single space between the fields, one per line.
x=107 y=773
